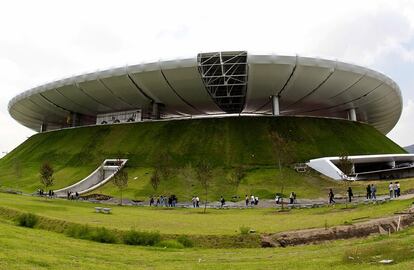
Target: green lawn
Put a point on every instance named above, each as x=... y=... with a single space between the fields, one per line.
x=192 y=221
x=22 y=248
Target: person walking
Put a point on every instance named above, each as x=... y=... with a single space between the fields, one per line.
x=291 y=198
x=251 y=199
x=368 y=192
x=373 y=192
x=193 y=200
x=350 y=194
x=246 y=200
x=398 y=189
x=222 y=202
x=331 y=196
x=277 y=199
x=391 y=189
x=151 y=201
x=197 y=202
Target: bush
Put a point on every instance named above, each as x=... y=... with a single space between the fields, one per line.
x=103 y=235
x=170 y=244
x=78 y=231
x=185 y=241
x=133 y=237
x=244 y=230
x=27 y=220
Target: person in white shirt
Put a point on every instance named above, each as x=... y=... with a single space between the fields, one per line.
x=391 y=188
x=398 y=189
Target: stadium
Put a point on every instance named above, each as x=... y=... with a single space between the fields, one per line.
x=219 y=107
x=213 y=84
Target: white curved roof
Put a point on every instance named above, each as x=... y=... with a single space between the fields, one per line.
x=305 y=86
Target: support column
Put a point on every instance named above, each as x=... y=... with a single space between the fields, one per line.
x=43 y=127
x=155 y=110
x=75 y=119
x=275 y=105
x=352 y=114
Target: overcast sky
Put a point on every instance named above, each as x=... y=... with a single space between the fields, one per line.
x=41 y=41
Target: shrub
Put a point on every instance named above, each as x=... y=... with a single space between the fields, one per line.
x=103 y=235
x=133 y=237
x=244 y=230
x=78 y=231
x=185 y=241
x=28 y=220
x=170 y=244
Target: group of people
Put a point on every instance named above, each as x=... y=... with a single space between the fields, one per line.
x=170 y=201
x=252 y=200
x=395 y=189
x=72 y=195
x=371 y=192
x=195 y=200
x=292 y=198
x=41 y=192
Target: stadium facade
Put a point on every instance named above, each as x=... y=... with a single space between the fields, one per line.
x=212 y=84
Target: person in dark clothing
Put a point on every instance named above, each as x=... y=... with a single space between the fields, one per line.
x=350 y=194
x=222 y=202
x=331 y=196
x=368 y=192
x=247 y=199
x=151 y=201
x=170 y=201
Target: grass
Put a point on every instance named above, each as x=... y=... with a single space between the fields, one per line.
x=263 y=182
x=192 y=221
x=22 y=248
x=226 y=143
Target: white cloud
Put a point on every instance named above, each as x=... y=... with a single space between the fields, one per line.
x=12 y=134
x=403 y=132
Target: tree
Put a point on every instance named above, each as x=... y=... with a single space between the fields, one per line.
x=345 y=165
x=46 y=175
x=188 y=173
x=120 y=180
x=284 y=156
x=164 y=166
x=237 y=176
x=155 y=179
x=204 y=174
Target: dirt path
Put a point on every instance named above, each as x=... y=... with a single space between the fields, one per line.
x=384 y=225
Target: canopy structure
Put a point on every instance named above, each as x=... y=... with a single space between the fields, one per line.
x=211 y=84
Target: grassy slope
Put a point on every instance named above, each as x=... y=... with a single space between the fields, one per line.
x=192 y=221
x=224 y=142
x=23 y=248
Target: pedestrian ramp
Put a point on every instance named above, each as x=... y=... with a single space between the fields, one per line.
x=104 y=173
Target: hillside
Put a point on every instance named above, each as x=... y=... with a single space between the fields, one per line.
x=223 y=142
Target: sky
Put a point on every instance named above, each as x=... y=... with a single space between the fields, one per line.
x=42 y=41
